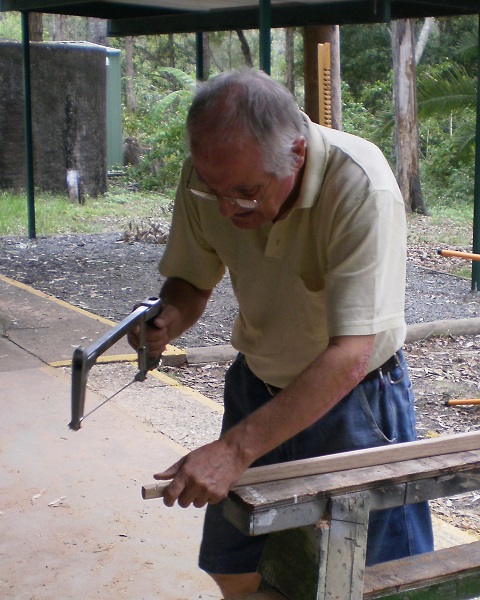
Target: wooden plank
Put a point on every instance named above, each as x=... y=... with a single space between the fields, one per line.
x=362 y=458
x=259 y=522
x=444 y=574
x=274 y=506
x=304 y=487
x=333 y=463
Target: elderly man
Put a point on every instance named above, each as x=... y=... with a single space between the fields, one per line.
x=310 y=224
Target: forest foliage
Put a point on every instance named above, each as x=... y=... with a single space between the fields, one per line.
x=163 y=81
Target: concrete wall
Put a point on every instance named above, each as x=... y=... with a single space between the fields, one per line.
x=68 y=112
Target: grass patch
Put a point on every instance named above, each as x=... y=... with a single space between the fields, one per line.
x=55 y=214
x=447 y=226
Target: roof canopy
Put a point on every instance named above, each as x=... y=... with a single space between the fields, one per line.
x=128 y=17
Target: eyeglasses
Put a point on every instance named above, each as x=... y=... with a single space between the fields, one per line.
x=246 y=203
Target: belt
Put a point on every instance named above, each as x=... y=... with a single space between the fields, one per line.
x=388 y=366
x=383 y=370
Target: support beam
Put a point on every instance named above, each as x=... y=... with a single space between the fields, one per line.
x=200 y=69
x=476 y=193
x=265 y=25
x=27 y=96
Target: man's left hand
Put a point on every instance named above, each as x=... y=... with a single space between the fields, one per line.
x=204 y=476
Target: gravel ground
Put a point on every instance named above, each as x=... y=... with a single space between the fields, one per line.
x=106 y=274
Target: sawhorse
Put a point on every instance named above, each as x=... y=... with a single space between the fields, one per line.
x=318 y=524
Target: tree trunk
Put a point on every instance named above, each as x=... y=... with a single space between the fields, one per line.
x=247 y=55
x=406 y=117
x=423 y=38
x=35 y=25
x=171 y=50
x=206 y=55
x=129 y=75
x=313 y=36
x=290 y=59
x=59 y=28
x=97 y=31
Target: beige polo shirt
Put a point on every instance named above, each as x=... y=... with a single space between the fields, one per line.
x=335 y=265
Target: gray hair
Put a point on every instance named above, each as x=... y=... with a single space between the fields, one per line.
x=233 y=105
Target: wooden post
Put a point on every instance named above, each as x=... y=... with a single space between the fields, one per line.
x=347 y=547
x=324 y=85
x=294 y=561
x=324 y=561
x=312 y=36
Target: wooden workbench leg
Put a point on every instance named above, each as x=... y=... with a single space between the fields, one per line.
x=294 y=561
x=321 y=562
x=347 y=547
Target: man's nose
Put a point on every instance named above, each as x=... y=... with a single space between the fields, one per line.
x=227 y=209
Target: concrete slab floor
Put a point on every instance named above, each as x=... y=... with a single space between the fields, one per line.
x=73 y=522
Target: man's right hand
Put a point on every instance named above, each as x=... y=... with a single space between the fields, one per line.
x=158 y=331
x=182 y=306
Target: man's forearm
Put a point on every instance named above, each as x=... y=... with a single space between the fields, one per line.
x=188 y=300
x=316 y=391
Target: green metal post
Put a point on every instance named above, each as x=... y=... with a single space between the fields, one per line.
x=200 y=69
x=383 y=10
x=265 y=41
x=114 y=110
x=476 y=192
x=27 y=93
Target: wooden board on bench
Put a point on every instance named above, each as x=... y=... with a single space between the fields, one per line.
x=263 y=507
x=444 y=574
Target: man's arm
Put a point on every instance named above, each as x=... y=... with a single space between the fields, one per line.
x=208 y=473
x=182 y=305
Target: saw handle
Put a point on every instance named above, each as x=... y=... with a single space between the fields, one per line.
x=154 y=490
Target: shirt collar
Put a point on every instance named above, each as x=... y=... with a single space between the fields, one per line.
x=315 y=165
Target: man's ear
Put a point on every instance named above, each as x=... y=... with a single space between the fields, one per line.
x=299 y=150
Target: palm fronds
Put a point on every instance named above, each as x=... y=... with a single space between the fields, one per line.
x=444 y=92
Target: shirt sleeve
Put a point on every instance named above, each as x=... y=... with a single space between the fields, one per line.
x=366 y=255
x=187 y=254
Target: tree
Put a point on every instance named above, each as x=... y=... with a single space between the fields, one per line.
x=245 y=48
x=35 y=24
x=423 y=38
x=450 y=90
x=406 y=118
x=290 y=59
x=59 y=28
x=206 y=55
x=366 y=56
x=130 y=101
x=97 y=31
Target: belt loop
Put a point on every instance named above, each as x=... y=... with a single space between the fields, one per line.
x=402 y=370
x=380 y=378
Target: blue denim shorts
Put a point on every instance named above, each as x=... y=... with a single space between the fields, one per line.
x=377 y=412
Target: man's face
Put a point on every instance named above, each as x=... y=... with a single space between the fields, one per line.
x=239 y=173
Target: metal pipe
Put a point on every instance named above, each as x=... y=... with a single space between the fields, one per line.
x=200 y=68
x=463 y=402
x=476 y=190
x=265 y=23
x=27 y=100
x=458 y=254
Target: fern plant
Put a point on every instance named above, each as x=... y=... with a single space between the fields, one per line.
x=163 y=123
